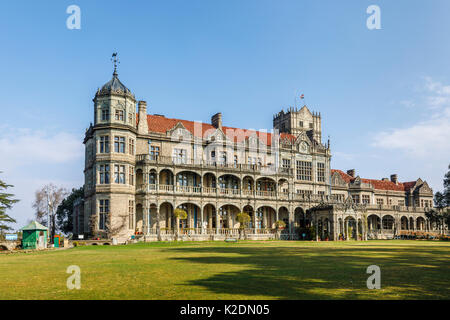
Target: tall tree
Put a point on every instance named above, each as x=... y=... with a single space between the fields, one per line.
x=447 y=187
x=64 y=212
x=6 y=202
x=47 y=200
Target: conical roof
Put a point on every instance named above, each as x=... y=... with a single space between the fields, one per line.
x=114 y=86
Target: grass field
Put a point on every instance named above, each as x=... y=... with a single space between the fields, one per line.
x=244 y=270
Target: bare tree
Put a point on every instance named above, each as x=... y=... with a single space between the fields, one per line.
x=111 y=229
x=47 y=199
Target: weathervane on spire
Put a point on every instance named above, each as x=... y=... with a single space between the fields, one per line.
x=115 y=60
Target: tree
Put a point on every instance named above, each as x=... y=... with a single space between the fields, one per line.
x=47 y=200
x=6 y=202
x=279 y=225
x=439 y=200
x=64 y=213
x=244 y=220
x=447 y=187
x=179 y=214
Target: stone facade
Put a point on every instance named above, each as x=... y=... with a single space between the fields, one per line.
x=139 y=167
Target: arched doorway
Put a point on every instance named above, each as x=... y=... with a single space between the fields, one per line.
x=249 y=210
x=166 y=180
x=209 y=216
x=265 y=217
x=404 y=223
x=350 y=228
x=193 y=220
x=167 y=221
x=420 y=223
x=388 y=222
x=139 y=226
x=227 y=216
x=229 y=184
x=411 y=223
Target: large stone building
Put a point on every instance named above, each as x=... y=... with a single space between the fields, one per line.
x=140 y=167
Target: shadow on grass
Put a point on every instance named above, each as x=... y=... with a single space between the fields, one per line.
x=407 y=272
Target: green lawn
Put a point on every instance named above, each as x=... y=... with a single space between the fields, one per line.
x=244 y=270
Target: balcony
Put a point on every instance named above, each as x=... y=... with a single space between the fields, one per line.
x=206 y=164
x=161 y=189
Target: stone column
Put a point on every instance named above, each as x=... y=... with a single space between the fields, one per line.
x=210 y=219
x=346 y=229
x=264 y=222
x=254 y=219
x=217 y=222
x=169 y=220
x=357 y=229
x=201 y=221
x=148 y=219
x=158 y=224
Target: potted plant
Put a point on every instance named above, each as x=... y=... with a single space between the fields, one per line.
x=279 y=225
x=243 y=219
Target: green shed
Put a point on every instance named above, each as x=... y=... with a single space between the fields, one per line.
x=34 y=236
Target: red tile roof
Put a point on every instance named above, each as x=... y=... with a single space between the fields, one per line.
x=161 y=124
x=378 y=184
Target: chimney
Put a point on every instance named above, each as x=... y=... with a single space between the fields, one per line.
x=142 y=111
x=216 y=120
x=394 y=178
x=351 y=173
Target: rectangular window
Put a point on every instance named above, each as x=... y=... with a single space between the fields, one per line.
x=103 y=212
x=321 y=193
x=105 y=115
x=131 y=175
x=365 y=198
x=130 y=214
x=119 y=174
x=304 y=170
x=104 y=174
x=131 y=146
x=310 y=125
x=305 y=192
x=119 y=115
x=320 y=172
x=104 y=144
x=301 y=124
x=119 y=144
x=401 y=202
x=182 y=179
x=154 y=152
x=223 y=157
x=179 y=155
x=380 y=201
x=355 y=198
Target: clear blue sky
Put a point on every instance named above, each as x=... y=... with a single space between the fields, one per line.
x=384 y=95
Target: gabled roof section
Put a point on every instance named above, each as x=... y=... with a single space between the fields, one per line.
x=378 y=184
x=161 y=124
x=34 y=226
